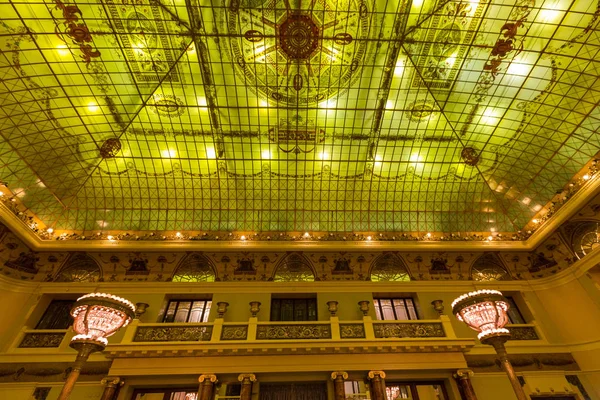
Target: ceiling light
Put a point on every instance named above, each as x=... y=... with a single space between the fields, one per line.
x=417 y=3
x=263 y=103
x=1 y=194
x=489 y=117
x=428 y=234
x=306 y=234
x=63 y=50
x=516 y=68
x=389 y=105
x=178 y=234
x=210 y=152
x=169 y=153
x=323 y=155
x=49 y=230
x=526 y=201
x=586 y=177
x=535 y=221
x=537 y=207
x=399 y=70
x=451 y=60
x=265 y=154
x=92 y=106
x=201 y=101
x=369 y=238
x=242 y=237
x=109 y=237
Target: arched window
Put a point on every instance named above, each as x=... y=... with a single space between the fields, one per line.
x=294 y=268
x=194 y=268
x=489 y=268
x=389 y=268
x=585 y=237
x=79 y=268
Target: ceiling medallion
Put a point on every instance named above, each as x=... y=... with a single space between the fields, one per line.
x=167 y=105
x=110 y=148
x=298 y=56
x=421 y=110
x=470 y=156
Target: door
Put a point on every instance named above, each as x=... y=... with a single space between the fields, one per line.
x=293 y=391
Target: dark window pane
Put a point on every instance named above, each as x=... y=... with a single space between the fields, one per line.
x=275 y=310
x=514 y=315
x=293 y=309
x=287 y=310
x=170 y=314
x=57 y=315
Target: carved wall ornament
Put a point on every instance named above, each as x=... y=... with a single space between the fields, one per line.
x=234 y=332
x=352 y=331
x=400 y=330
x=292 y=332
x=523 y=333
x=336 y=374
x=35 y=339
x=173 y=334
x=207 y=377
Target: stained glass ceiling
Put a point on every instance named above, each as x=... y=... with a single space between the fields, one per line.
x=295 y=115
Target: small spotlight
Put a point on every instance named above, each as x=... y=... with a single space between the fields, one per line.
x=178 y=234
x=586 y=177
x=110 y=237
x=369 y=238
x=428 y=235
x=306 y=234
x=242 y=237
x=49 y=230
x=92 y=107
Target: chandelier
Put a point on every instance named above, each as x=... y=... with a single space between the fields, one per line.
x=484 y=311
x=99 y=315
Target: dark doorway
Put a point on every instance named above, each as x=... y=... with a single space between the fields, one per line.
x=293 y=391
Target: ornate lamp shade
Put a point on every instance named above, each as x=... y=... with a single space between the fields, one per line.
x=98 y=316
x=483 y=311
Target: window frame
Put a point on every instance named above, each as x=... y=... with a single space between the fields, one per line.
x=167 y=392
x=307 y=303
x=412 y=385
x=379 y=309
x=204 y=316
x=47 y=310
x=515 y=309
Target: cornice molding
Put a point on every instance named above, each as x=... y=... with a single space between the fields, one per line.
x=578 y=200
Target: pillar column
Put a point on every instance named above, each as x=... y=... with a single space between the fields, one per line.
x=111 y=385
x=246 y=379
x=377 y=385
x=338 y=384
x=463 y=377
x=207 y=385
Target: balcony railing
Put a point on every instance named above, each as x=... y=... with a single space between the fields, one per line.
x=354 y=333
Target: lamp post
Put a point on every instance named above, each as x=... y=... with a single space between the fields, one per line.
x=96 y=317
x=485 y=312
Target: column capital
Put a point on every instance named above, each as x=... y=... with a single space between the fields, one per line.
x=463 y=374
x=210 y=377
x=373 y=374
x=336 y=374
x=247 y=377
x=113 y=381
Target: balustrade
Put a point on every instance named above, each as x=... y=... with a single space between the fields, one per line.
x=218 y=331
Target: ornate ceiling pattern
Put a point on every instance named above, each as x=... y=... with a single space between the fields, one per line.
x=291 y=116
